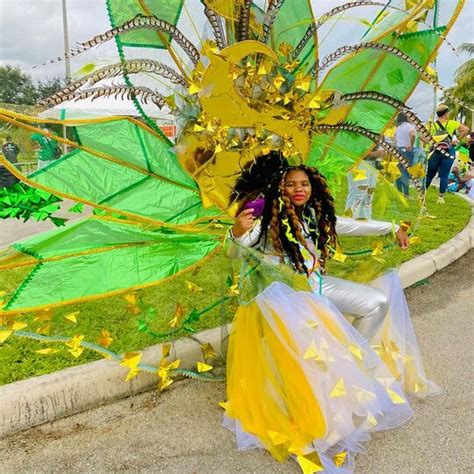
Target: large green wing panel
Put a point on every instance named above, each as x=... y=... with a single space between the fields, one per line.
x=121 y=11
x=126 y=169
x=370 y=70
x=96 y=257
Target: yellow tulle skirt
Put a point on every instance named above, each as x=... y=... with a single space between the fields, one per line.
x=302 y=382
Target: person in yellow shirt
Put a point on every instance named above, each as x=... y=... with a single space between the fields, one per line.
x=447 y=134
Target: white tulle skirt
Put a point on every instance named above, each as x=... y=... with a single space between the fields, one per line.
x=302 y=382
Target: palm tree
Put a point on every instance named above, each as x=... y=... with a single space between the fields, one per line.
x=463 y=88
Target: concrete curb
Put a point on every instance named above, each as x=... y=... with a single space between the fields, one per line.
x=48 y=397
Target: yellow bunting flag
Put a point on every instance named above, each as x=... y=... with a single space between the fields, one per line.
x=72 y=317
x=4 y=335
x=44 y=315
x=377 y=248
x=202 y=367
x=45 y=329
x=75 y=345
x=104 y=338
x=310 y=463
x=165 y=350
x=357 y=351
x=208 y=351
x=131 y=360
x=192 y=287
x=224 y=405
x=339 y=256
x=18 y=326
x=177 y=316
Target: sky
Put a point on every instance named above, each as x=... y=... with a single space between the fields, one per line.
x=32 y=33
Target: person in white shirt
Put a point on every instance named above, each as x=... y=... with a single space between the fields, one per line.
x=405 y=136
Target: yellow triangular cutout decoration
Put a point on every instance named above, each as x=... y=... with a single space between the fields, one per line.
x=202 y=367
x=339 y=389
x=396 y=399
x=278 y=438
x=310 y=463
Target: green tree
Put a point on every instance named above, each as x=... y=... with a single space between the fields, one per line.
x=16 y=87
x=463 y=88
x=48 y=87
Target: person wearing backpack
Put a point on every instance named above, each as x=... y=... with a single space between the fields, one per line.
x=447 y=133
x=10 y=151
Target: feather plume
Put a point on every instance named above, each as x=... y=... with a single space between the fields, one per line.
x=343 y=50
x=376 y=138
x=244 y=21
x=133 y=66
x=270 y=16
x=145 y=94
x=217 y=27
x=136 y=23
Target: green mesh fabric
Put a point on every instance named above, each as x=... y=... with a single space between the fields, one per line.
x=122 y=10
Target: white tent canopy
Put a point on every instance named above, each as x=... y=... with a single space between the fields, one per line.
x=102 y=107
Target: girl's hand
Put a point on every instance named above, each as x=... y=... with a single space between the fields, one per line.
x=243 y=223
x=402 y=239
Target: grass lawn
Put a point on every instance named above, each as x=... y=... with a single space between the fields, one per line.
x=18 y=359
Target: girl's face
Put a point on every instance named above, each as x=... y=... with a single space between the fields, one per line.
x=298 y=187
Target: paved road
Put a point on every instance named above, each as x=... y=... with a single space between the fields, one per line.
x=12 y=231
x=179 y=431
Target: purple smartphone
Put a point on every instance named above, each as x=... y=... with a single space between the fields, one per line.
x=257 y=205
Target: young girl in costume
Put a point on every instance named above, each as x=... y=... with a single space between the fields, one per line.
x=301 y=381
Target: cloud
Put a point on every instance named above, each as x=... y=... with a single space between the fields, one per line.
x=32 y=32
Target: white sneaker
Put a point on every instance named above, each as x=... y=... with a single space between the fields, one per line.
x=441 y=200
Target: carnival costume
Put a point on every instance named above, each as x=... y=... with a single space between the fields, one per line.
x=161 y=208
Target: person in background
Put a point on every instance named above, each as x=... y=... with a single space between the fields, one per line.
x=470 y=147
x=10 y=151
x=460 y=178
x=447 y=133
x=405 y=136
x=362 y=180
x=419 y=153
x=46 y=148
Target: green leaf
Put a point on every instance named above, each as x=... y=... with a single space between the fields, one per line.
x=42 y=194
x=78 y=207
x=50 y=208
x=58 y=221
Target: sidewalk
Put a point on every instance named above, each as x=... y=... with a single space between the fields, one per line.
x=12 y=230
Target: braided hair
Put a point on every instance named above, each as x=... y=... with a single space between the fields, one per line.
x=280 y=221
x=257 y=176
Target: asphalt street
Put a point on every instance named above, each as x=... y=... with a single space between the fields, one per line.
x=179 y=431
